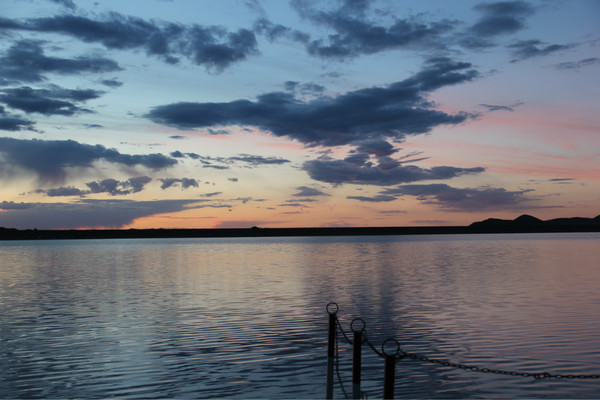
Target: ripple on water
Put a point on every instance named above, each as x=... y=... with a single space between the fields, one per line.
x=246 y=318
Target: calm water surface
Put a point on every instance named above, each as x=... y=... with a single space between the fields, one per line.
x=245 y=318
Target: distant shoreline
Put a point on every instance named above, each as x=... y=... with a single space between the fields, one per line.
x=488 y=226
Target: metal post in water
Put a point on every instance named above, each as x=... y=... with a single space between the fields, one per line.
x=356 y=357
x=332 y=309
x=389 y=375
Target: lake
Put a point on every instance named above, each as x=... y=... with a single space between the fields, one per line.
x=246 y=317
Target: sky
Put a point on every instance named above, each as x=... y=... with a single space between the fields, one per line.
x=300 y=113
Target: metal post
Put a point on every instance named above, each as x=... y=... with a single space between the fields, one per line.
x=332 y=309
x=389 y=375
x=356 y=356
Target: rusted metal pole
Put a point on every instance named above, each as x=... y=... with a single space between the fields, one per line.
x=332 y=309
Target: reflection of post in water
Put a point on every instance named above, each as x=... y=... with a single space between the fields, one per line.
x=332 y=309
x=390 y=369
x=356 y=356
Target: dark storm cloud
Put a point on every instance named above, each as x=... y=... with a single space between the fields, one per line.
x=54 y=101
x=525 y=49
x=213 y=47
x=49 y=159
x=355 y=35
x=185 y=183
x=393 y=111
x=375 y=199
x=449 y=198
x=358 y=169
x=25 y=61
x=305 y=191
x=88 y=213
x=578 y=64
x=499 y=18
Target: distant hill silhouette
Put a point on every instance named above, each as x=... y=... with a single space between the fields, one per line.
x=524 y=223
x=527 y=223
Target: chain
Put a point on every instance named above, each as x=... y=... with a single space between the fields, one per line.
x=401 y=355
x=379 y=353
x=535 y=375
x=337 y=321
x=337 y=360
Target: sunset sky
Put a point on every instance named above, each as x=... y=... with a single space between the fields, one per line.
x=240 y=113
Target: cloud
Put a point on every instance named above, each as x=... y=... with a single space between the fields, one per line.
x=525 y=49
x=185 y=183
x=65 y=3
x=10 y=122
x=493 y=107
x=375 y=199
x=277 y=31
x=88 y=213
x=563 y=181
x=112 y=83
x=252 y=160
x=372 y=113
x=115 y=187
x=258 y=160
x=498 y=18
x=50 y=159
x=358 y=169
x=25 y=61
x=47 y=101
x=11 y=205
x=213 y=46
x=304 y=88
x=448 y=198
x=65 y=191
x=376 y=147
x=578 y=64
x=305 y=191
x=355 y=35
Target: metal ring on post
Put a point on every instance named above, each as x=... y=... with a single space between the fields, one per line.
x=362 y=328
x=332 y=304
x=398 y=350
